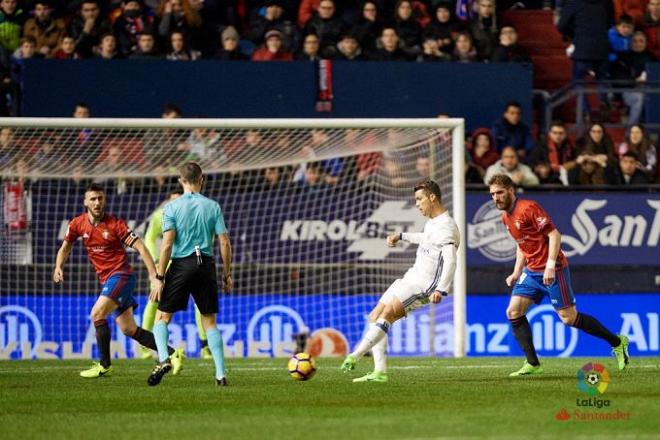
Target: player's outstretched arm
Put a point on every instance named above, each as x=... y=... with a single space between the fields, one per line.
x=517 y=268
x=62 y=256
x=226 y=253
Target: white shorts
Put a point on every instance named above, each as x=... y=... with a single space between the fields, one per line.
x=411 y=293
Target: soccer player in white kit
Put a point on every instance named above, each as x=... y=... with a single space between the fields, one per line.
x=427 y=281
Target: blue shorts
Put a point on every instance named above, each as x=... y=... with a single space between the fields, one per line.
x=530 y=285
x=119 y=288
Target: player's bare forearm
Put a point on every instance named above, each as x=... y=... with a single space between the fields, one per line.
x=146 y=257
x=520 y=261
x=62 y=255
x=226 y=253
x=166 y=250
x=554 y=243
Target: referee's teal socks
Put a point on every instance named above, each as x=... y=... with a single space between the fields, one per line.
x=214 y=338
x=162 y=336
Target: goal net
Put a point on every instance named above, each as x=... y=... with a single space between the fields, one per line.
x=308 y=204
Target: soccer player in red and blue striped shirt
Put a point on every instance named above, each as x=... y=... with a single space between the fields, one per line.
x=105 y=237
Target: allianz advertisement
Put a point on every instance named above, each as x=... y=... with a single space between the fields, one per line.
x=596 y=228
x=54 y=327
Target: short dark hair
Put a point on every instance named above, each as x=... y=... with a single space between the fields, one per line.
x=631 y=154
x=81 y=104
x=94 y=187
x=191 y=172
x=172 y=108
x=501 y=180
x=429 y=187
x=513 y=104
x=557 y=123
x=625 y=18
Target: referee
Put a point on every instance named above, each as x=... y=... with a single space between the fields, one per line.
x=190 y=225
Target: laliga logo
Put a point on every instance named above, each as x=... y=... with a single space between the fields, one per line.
x=18 y=325
x=327 y=342
x=550 y=334
x=488 y=234
x=592 y=379
x=271 y=330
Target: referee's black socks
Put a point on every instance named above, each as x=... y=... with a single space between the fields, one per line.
x=523 y=333
x=591 y=325
x=146 y=339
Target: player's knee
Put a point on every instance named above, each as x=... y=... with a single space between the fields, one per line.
x=513 y=313
x=97 y=315
x=128 y=329
x=567 y=316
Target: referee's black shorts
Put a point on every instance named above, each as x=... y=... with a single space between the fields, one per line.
x=185 y=277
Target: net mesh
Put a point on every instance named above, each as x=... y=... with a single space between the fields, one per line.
x=308 y=211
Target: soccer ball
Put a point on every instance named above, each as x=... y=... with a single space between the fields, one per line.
x=302 y=366
x=593 y=378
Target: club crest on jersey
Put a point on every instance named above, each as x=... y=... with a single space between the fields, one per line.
x=105 y=234
x=541 y=220
x=517 y=223
x=85 y=235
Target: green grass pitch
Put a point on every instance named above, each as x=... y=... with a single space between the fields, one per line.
x=425 y=398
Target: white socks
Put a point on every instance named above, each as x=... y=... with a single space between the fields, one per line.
x=376 y=333
x=380 y=357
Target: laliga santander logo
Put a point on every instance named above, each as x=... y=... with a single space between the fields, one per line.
x=593 y=379
x=488 y=234
x=19 y=326
x=327 y=342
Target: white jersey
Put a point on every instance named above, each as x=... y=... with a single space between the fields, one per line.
x=435 y=262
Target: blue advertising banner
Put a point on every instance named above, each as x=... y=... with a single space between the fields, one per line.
x=48 y=327
x=601 y=228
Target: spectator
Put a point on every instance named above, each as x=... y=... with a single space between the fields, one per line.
x=369 y=28
x=27 y=50
x=634 y=8
x=180 y=16
x=464 y=50
x=107 y=50
x=131 y=23
x=46 y=30
x=230 y=49
x=87 y=27
x=510 y=130
x=521 y=174
x=12 y=19
x=348 y=49
x=620 y=37
x=179 y=51
x=272 y=50
x=482 y=150
x=443 y=26
x=146 y=48
x=483 y=28
x=431 y=51
x=161 y=146
x=313 y=177
x=586 y=23
x=310 y=49
x=651 y=26
x=273 y=179
x=638 y=142
x=328 y=26
x=8 y=147
x=46 y=159
x=113 y=163
x=306 y=10
x=596 y=144
x=408 y=29
x=272 y=18
x=628 y=173
x=472 y=174
x=509 y=51
x=204 y=144
x=390 y=50
x=66 y=49
x=556 y=150
x=546 y=175
x=81 y=111
x=631 y=67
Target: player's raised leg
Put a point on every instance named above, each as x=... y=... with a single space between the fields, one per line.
x=376 y=333
x=516 y=312
x=379 y=374
x=205 y=352
x=103 y=307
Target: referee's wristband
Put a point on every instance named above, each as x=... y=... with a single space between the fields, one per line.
x=160 y=277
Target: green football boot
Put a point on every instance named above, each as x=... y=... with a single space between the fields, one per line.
x=348 y=364
x=374 y=376
x=527 y=370
x=206 y=353
x=176 y=359
x=145 y=353
x=97 y=371
x=621 y=352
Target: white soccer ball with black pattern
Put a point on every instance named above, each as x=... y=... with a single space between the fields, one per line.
x=593 y=378
x=302 y=366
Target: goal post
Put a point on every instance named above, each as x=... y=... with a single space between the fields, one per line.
x=309 y=247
